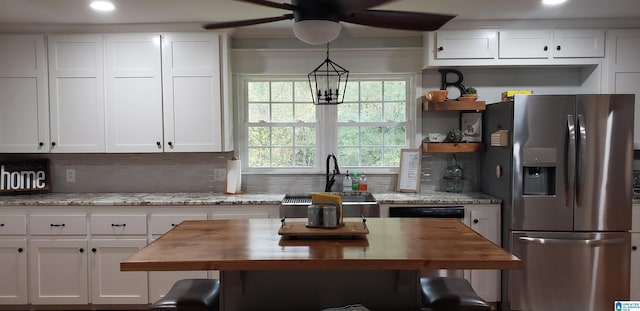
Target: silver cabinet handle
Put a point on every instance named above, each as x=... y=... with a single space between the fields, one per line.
x=582 y=147
x=587 y=242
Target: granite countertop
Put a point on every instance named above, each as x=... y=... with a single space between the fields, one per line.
x=204 y=199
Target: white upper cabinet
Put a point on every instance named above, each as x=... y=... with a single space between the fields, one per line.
x=578 y=43
x=623 y=69
x=76 y=79
x=525 y=44
x=191 y=92
x=133 y=85
x=474 y=44
x=24 y=107
x=546 y=44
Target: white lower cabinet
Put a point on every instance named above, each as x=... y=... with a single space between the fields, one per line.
x=58 y=271
x=13 y=256
x=13 y=271
x=485 y=220
x=109 y=285
x=161 y=281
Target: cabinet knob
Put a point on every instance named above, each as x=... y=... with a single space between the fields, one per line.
x=546 y=48
x=634 y=248
x=94 y=250
x=158 y=144
x=41 y=144
x=53 y=143
x=1 y=225
x=20 y=250
x=441 y=49
x=170 y=144
x=81 y=250
x=558 y=48
x=475 y=221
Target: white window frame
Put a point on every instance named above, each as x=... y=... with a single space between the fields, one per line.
x=329 y=143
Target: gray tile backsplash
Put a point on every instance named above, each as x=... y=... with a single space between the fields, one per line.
x=194 y=172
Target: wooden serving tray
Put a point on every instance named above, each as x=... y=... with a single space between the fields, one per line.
x=300 y=229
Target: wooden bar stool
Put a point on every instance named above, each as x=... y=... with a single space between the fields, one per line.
x=450 y=294
x=190 y=295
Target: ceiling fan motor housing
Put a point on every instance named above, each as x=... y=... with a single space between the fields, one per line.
x=315 y=10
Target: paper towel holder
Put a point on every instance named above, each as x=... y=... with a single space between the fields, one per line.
x=233 y=182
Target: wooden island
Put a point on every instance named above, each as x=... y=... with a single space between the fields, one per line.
x=261 y=270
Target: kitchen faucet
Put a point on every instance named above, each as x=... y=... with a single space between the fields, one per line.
x=336 y=171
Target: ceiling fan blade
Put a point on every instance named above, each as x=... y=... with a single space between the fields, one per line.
x=247 y=22
x=398 y=20
x=348 y=6
x=284 y=6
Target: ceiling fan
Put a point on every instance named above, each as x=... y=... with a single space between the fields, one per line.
x=318 y=21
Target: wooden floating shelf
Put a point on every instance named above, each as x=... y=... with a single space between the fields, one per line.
x=428 y=105
x=452 y=147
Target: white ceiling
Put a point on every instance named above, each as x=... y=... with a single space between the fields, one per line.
x=197 y=12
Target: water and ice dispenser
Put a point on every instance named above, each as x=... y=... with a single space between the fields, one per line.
x=539 y=171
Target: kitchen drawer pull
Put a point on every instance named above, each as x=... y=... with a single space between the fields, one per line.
x=20 y=249
x=475 y=221
x=40 y=144
x=81 y=250
x=57 y=225
x=634 y=248
x=1 y=225
x=441 y=49
x=118 y=225
x=94 y=250
x=546 y=48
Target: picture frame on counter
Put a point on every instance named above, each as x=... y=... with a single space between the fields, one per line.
x=410 y=170
x=471 y=126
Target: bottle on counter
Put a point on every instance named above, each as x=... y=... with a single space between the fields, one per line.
x=362 y=182
x=355 y=181
x=346 y=182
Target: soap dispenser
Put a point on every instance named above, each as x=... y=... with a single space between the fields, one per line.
x=346 y=183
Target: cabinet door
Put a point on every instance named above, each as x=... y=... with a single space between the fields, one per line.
x=133 y=93
x=466 y=44
x=24 y=107
x=13 y=271
x=485 y=221
x=109 y=284
x=635 y=267
x=191 y=92
x=76 y=71
x=578 y=43
x=58 y=271
x=623 y=69
x=524 y=44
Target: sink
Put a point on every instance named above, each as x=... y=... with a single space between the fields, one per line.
x=354 y=204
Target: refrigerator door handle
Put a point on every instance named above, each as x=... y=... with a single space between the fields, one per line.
x=587 y=242
x=582 y=145
x=571 y=161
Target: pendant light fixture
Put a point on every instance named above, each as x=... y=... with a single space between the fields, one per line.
x=328 y=82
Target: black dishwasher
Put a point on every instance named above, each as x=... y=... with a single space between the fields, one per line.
x=451 y=212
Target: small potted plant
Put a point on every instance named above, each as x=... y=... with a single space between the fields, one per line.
x=470 y=93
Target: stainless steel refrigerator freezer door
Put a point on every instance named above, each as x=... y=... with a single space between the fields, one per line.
x=604 y=162
x=569 y=271
x=543 y=128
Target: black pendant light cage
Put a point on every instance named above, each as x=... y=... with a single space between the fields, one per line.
x=328 y=82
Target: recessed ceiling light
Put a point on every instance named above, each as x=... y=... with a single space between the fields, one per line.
x=552 y=2
x=102 y=6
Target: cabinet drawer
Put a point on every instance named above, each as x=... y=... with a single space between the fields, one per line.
x=13 y=224
x=119 y=224
x=58 y=224
x=159 y=224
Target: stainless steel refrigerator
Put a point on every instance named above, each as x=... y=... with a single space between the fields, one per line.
x=565 y=178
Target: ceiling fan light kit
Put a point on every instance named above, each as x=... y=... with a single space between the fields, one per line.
x=316 y=32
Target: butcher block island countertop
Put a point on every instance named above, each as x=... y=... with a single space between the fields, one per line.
x=261 y=270
x=392 y=243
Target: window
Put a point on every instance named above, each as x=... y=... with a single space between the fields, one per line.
x=285 y=132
